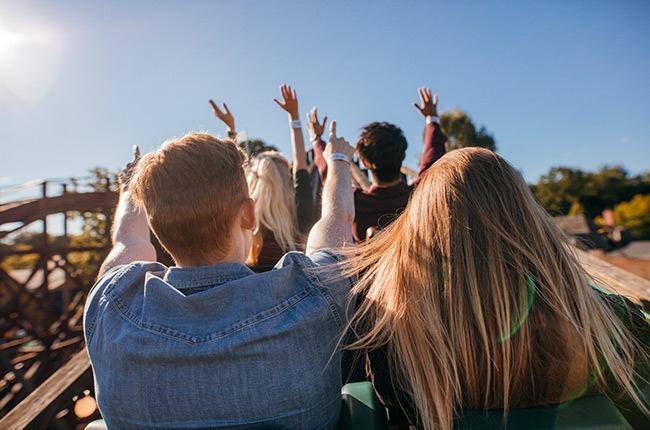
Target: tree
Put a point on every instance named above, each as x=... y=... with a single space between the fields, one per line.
x=565 y=190
x=634 y=216
x=559 y=190
x=256 y=146
x=94 y=227
x=461 y=131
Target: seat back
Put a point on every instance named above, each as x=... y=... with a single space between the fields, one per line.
x=361 y=409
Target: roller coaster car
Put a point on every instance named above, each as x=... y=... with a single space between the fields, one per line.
x=362 y=410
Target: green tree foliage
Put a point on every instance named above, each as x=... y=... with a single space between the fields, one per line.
x=560 y=189
x=94 y=228
x=461 y=131
x=565 y=190
x=19 y=242
x=634 y=216
x=256 y=146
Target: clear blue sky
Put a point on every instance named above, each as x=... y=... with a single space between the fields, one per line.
x=555 y=82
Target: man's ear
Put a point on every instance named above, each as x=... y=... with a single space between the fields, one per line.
x=248 y=214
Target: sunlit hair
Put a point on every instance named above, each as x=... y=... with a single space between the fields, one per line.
x=192 y=189
x=480 y=301
x=270 y=186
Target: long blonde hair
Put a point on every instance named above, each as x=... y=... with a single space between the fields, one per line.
x=480 y=301
x=270 y=186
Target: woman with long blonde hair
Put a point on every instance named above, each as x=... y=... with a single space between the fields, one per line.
x=276 y=225
x=473 y=300
x=284 y=208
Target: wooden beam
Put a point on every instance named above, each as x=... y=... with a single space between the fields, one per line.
x=33 y=210
x=44 y=402
x=614 y=278
x=409 y=172
x=359 y=177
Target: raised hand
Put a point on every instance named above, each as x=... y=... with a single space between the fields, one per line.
x=337 y=145
x=290 y=104
x=224 y=116
x=126 y=173
x=429 y=105
x=315 y=129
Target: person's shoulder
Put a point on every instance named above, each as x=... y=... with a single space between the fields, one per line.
x=115 y=285
x=320 y=257
x=630 y=314
x=125 y=275
x=362 y=197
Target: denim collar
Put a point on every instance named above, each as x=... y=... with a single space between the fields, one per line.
x=192 y=277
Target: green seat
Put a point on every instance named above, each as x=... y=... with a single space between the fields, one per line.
x=633 y=414
x=361 y=409
x=593 y=412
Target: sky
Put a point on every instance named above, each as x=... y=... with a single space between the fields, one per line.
x=555 y=82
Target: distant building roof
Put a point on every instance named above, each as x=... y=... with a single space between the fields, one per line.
x=585 y=233
x=575 y=224
x=639 y=249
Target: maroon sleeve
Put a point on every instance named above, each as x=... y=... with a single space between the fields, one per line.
x=434 y=148
x=319 y=159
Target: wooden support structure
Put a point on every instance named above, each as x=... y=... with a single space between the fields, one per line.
x=46 y=300
x=615 y=279
x=44 y=402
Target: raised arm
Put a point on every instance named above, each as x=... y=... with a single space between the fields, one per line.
x=226 y=117
x=434 y=138
x=131 y=240
x=334 y=229
x=290 y=106
x=315 y=132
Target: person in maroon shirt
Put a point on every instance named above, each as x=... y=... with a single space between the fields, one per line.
x=381 y=149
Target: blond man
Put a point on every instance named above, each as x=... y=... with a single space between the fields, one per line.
x=207 y=343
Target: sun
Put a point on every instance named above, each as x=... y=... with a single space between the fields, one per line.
x=10 y=42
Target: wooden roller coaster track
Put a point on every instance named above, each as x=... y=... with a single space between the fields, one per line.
x=41 y=307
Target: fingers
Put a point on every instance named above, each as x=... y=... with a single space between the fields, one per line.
x=288 y=93
x=435 y=99
x=136 y=152
x=226 y=108
x=324 y=121
x=279 y=104
x=333 y=130
x=216 y=110
x=418 y=108
x=423 y=96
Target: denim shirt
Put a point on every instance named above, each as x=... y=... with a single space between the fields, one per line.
x=218 y=346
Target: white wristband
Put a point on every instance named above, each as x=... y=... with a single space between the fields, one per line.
x=431 y=119
x=339 y=156
x=295 y=123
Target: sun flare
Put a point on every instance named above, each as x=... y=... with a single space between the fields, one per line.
x=10 y=41
x=30 y=56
